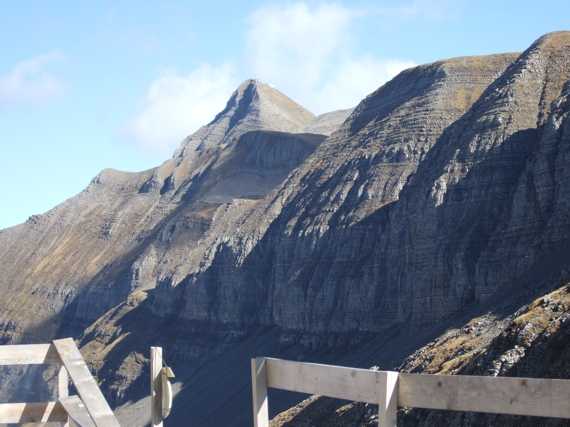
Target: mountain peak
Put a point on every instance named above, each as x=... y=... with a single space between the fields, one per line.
x=258 y=105
x=542 y=70
x=254 y=105
x=250 y=83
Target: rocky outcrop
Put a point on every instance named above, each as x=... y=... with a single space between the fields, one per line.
x=533 y=342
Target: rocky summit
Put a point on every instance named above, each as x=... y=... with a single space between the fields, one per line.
x=360 y=237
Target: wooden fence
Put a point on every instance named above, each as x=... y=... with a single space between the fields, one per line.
x=391 y=390
x=88 y=409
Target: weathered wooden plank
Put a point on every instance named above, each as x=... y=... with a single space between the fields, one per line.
x=259 y=392
x=28 y=354
x=361 y=385
x=77 y=411
x=517 y=396
x=85 y=384
x=155 y=395
x=63 y=387
x=62 y=383
x=388 y=402
x=43 y=412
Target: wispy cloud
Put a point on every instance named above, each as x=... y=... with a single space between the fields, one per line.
x=307 y=51
x=304 y=49
x=31 y=80
x=177 y=104
x=293 y=45
x=355 y=78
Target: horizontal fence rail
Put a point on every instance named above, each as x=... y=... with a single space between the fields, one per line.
x=20 y=413
x=29 y=354
x=390 y=390
x=333 y=381
x=499 y=395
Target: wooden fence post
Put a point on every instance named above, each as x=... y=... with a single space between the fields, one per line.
x=155 y=398
x=388 y=401
x=63 y=387
x=259 y=392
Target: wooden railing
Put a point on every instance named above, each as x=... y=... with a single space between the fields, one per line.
x=89 y=409
x=390 y=390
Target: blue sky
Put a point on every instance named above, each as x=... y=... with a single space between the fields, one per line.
x=90 y=85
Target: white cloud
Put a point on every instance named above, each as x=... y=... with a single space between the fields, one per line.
x=306 y=51
x=303 y=49
x=353 y=79
x=292 y=45
x=176 y=105
x=31 y=81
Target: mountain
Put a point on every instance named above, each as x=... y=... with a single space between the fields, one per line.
x=332 y=212
x=78 y=257
x=128 y=233
x=254 y=290
x=357 y=237
x=479 y=230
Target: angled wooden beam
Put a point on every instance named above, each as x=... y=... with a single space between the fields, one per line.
x=86 y=386
x=77 y=411
x=43 y=412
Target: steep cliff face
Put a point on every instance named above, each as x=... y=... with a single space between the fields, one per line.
x=334 y=203
x=317 y=227
x=447 y=241
x=470 y=222
x=483 y=221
